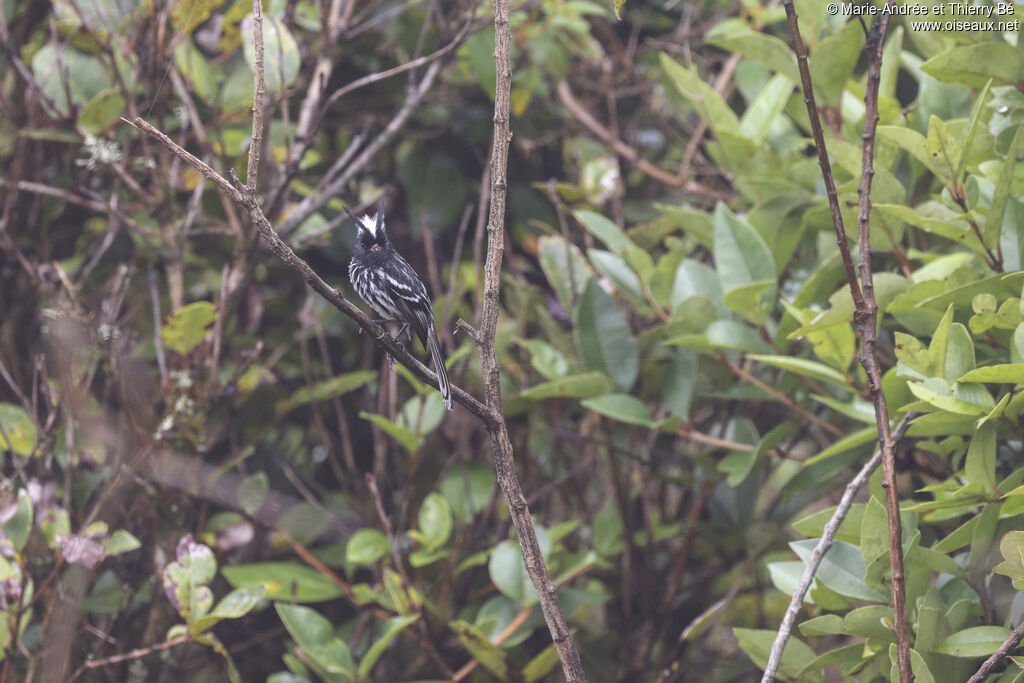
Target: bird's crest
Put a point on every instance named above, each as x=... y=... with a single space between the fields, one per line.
x=371 y=224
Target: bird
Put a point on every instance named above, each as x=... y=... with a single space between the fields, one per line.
x=386 y=281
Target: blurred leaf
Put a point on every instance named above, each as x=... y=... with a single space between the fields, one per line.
x=19 y=525
x=435 y=520
x=603 y=338
x=281 y=59
x=366 y=547
x=314 y=635
x=120 y=542
x=252 y=492
x=19 y=431
x=468 y=489
x=325 y=390
x=568 y=281
x=979 y=641
x=392 y=628
x=621 y=407
x=187 y=327
x=284 y=581
x=491 y=657
x=235 y=604
x=403 y=435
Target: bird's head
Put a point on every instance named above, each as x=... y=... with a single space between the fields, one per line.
x=372 y=235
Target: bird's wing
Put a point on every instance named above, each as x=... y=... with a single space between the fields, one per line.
x=409 y=295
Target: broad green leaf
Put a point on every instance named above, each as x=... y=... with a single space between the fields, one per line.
x=235 y=604
x=18 y=527
x=586 y=385
x=403 y=435
x=565 y=267
x=997 y=209
x=605 y=230
x=603 y=338
x=468 y=489
x=252 y=492
x=980 y=464
x=435 y=520
x=979 y=641
x=621 y=407
x=804 y=368
x=761 y=113
x=120 y=542
x=974 y=65
x=841 y=569
x=392 y=628
x=874 y=531
x=281 y=58
x=1005 y=373
x=366 y=547
x=315 y=636
x=491 y=657
x=325 y=390
x=795 y=657
x=710 y=105
x=762 y=48
x=288 y=581
x=743 y=260
x=84 y=76
x=19 y=429
x=833 y=61
x=188 y=326
x=102 y=111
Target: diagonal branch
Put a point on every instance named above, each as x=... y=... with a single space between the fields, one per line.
x=828 y=535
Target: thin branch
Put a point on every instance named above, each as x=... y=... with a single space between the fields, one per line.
x=824 y=543
x=258 y=87
x=581 y=114
x=131 y=654
x=1011 y=642
x=501 y=447
x=331 y=187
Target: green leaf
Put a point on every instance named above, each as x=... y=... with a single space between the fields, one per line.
x=186 y=329
x=284 y=581
x=603 y=338
x=281 y=58
x=85 y=77
x=762 y=48
x=874 y=531
x=468 y=489
x=479 y=52
x=185 y=579
x=120 y=542
x=403 y=435
x=366 y=547
x=743 y=260
x=979 y=641
x=980 y=464
x=18 y=527
x=974 y=65
x=805 y=368
x=586 y=385
x=621 y=407
x=490 y=656
x=315 y=637
x=325 y=390
x=102 y=111
x=252 y=492
x=1005 y=373
x=19 y=429
x=680 y=379
x=841 y=569
x=392 y=628
x=997 y=209
x=605 y=230
x=568 y=281
x=435 y=520
x=235 y=604
x=758 y=644
x=832 y=62
x=710 y=105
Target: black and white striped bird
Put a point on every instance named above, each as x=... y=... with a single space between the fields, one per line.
x=391 y=287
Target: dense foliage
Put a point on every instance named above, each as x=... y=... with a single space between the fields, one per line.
x=210 y=474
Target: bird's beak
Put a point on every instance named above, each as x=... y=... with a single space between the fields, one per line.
x=375 y=247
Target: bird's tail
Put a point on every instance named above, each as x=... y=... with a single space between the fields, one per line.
x=442 y=375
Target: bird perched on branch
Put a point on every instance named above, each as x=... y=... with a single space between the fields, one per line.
x=391 y=287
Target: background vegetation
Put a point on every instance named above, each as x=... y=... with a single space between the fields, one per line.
x=211 y=475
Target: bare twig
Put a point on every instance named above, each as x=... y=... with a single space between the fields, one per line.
x=258 y=87
x=628 y=153
x=828 y=535
x=131 y=654
x=329 y=187
x=1011 y=642
x=501 y=447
